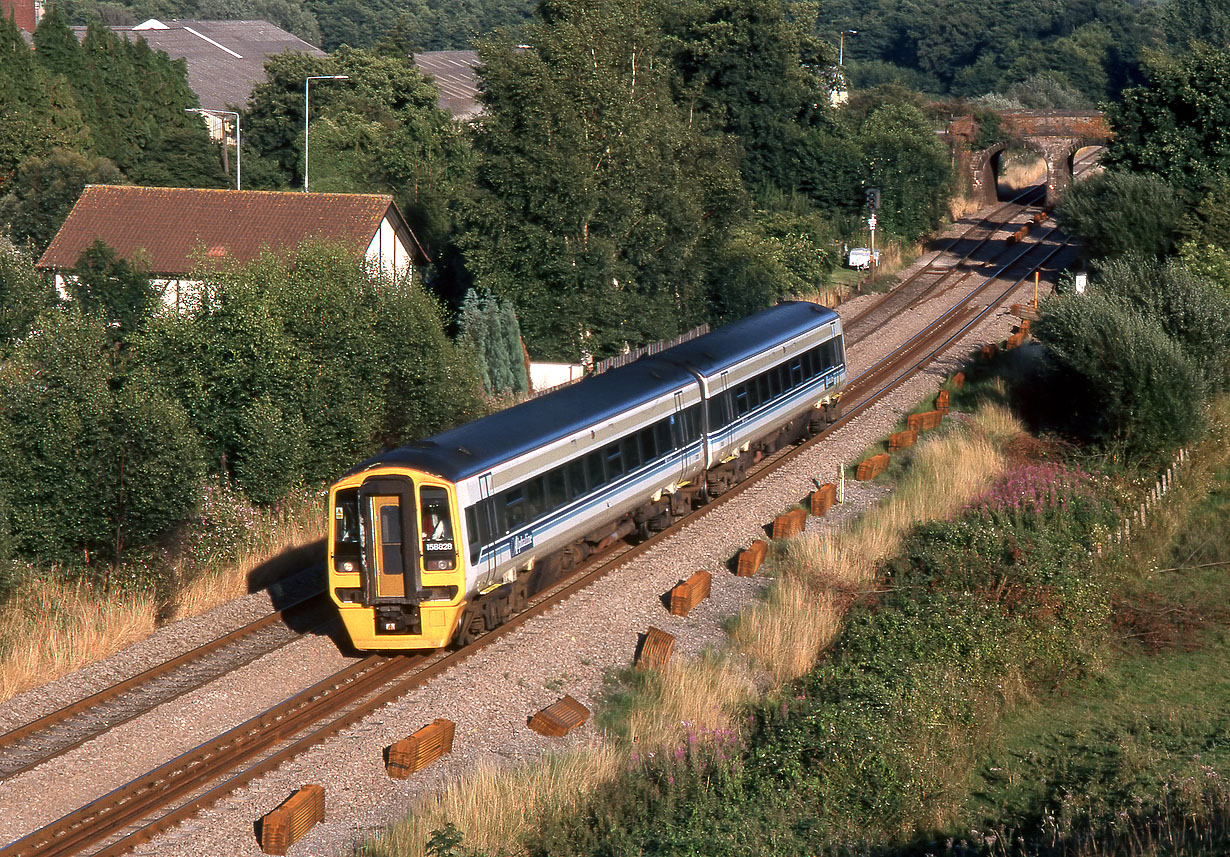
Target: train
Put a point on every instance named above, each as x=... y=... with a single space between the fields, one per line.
x=438 y=541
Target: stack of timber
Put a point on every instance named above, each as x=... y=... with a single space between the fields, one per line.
x=689 y=593
x=291 y=821
x=410 y=755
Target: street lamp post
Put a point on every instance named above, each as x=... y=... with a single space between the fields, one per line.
x=841 y=45
x=238 y=141
x=306 y=83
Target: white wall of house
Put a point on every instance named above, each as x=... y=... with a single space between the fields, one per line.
x=544 y=376
x=387 y=252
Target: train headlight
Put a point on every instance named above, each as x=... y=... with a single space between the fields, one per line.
x=347 y=566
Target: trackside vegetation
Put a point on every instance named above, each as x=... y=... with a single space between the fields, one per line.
x=1010 y=679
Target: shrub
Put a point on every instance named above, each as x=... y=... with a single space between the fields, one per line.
x=1127 y=382
x=95 y=462
x=1192 y=311
x=1116 y=213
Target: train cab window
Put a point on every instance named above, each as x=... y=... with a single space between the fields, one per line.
x=439 y=552
x=346 y=518
x=557 y=490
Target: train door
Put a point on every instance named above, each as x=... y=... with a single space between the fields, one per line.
x=720 y=416
x=486 y=525
x=684 y=433
x=388 y=512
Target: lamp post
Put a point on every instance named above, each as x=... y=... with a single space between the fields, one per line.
x=841 y=45
x=238 y=142
x=306 y=84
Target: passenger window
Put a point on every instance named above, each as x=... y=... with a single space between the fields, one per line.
x=692 y=422
x=514 y=509
x=594 y=470
x=740 y=397
x=557 y=493
x=614 y=463
x=796 y=372
x=533 y=499
x=475 y=538
x=717 y=412
x=664 y=442
x=775 y=382
x=649 y=449
x=577 y=483
x=631 y=453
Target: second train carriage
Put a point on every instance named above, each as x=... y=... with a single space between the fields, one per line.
x=444 y=538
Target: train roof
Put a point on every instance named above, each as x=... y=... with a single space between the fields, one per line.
x=480 y=445
x=730 y=345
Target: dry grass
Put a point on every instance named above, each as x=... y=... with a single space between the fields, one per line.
x=53 y=628
x=279 y=532
x=996 y=422
x=962 y=206
x=705 y=695
x=49 y=629
x=498 y=806
x=1021 y=171
x=818 y=574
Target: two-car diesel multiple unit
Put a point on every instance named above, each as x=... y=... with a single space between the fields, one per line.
x=444 y=538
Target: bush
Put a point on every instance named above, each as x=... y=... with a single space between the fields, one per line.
x=94 y=462
x=292 y=372
x=1117 y=213
x=1192 y=311
x=1126 y=381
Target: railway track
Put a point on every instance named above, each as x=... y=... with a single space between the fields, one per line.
x=58 y=732
x=146 y=806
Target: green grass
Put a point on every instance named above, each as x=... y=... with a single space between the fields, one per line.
x=1151 y=733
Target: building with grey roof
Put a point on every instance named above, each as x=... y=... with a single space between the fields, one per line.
x=453 y=72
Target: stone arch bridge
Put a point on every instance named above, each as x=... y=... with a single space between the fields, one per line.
x=1056 y=135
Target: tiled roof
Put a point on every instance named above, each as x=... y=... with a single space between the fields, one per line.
x=454 y=75
x=226 y=59
x=178 y=228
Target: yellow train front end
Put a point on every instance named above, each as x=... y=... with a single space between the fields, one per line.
x=396 y=571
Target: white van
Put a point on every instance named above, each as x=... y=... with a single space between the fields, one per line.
x=860 y=257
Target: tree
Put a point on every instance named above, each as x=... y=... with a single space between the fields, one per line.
x=23 y=295
x=1193 y=312
x=490 y=330
x=753 y=68
x=1127 y=383
x=39 y=113
x=1119 y=212
x=45 y=190
x=1174 y=127
x=292 y=370
x=106 y=462
x=118 y=290
x=910 y=167
x=596 y=197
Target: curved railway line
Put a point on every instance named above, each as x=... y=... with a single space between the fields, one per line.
x=154 y=802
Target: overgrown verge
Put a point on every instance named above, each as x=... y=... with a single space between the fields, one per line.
x=52 y=624
x=995 y=686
